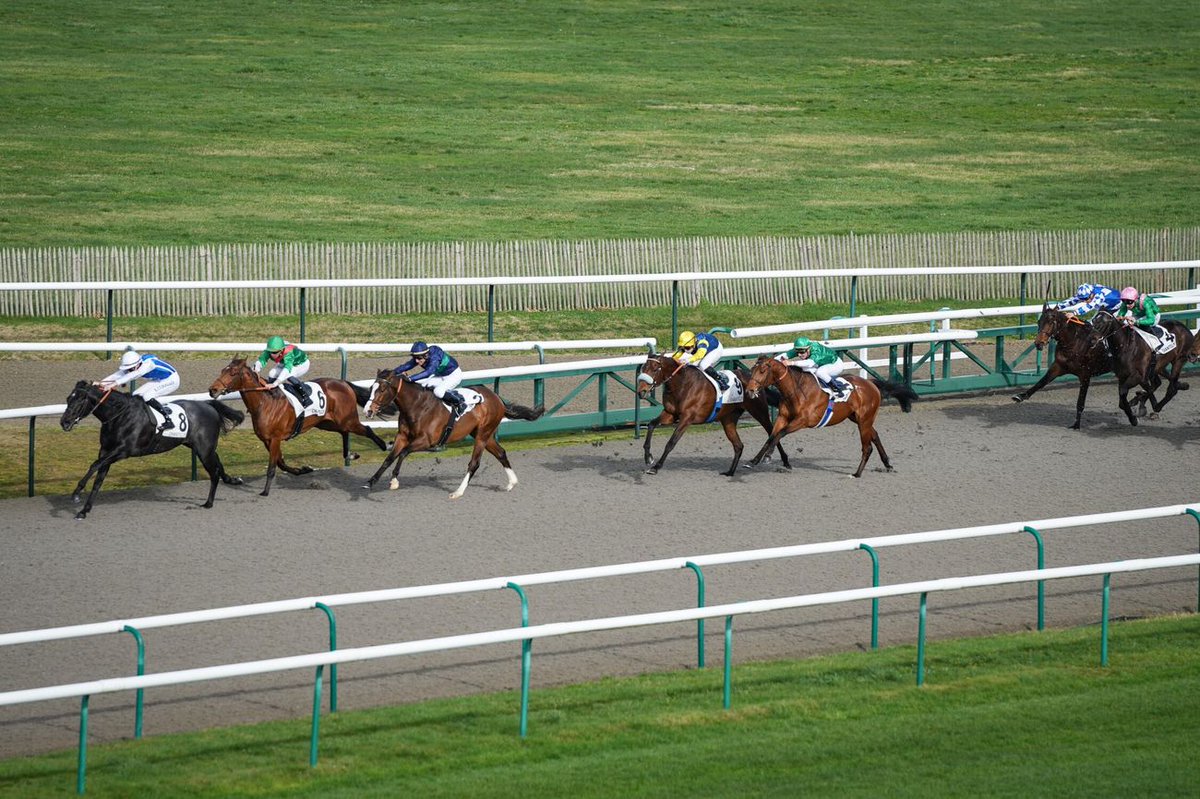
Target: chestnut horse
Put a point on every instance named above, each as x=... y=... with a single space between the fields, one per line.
x=689 y=399
x=804 y=404
x=275 y=421
x=1080 y=351
x=422 y=418
x=1136 y=365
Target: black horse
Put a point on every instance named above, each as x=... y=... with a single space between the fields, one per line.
x=1136 y=365
x=1080 y=351
x=127 y=430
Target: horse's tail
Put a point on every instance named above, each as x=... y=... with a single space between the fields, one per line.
x=230 y=418
x=898 y=391
x=514 y=411
x=362 y=395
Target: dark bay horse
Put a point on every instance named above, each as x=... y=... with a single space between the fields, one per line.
x=804 y=405
x=1079 y=351
x=689 y=399
x=275 y=421
x=128 y=430
x=422 y=417
x=1136 y=365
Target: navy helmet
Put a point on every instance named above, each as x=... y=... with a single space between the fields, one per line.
x=419 y=348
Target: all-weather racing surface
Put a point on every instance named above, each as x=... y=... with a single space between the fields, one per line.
x=959 y=462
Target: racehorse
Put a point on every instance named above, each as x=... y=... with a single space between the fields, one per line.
x=1080 y=351
x=804 y=404
x=422 y=418
x=275 y=421
x=128 y=430
x=689 y=399
x=1136 y=364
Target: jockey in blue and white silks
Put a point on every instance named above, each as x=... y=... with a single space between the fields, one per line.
x=160 y=379
x=1091 y=297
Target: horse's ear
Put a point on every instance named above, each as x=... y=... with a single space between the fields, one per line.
x=81 y=384
x=383 y=374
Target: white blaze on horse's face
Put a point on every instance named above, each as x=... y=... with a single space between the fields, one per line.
x=371 y=399
x=645 y=378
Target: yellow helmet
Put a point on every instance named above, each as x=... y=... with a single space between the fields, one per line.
x=687 y=339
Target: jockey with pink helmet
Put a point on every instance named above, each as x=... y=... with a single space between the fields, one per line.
x=1141 y=310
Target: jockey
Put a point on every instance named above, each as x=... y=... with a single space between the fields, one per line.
x=160 y=376
x=822 y=362
x=441 y=374
x=702 y=350
x=1090 y=297
x=1141 y=310
x=291 y=364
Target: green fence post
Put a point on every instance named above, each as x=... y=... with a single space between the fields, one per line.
x=853 y=296
x=1195 y=516
x=1041 y=586
x=874 y=602
x=316 y=718
x=108 y=319
x=699 y=622
x=602 y=397
x=727 y=692
x=1104 y=621
x=921 y=642
x=491 y=331
x=32 y=424
x=526 y=658
x=674 y=311
x=141 y=669
x=345 y=361
x=81 y=764
x=1024 y=282
x=303 y=310
x=332 y=648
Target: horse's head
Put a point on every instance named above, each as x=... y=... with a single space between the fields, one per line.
x=384 y=391
x=655 y=371
x=1050 y=324
x=765 y=372
x=234 y=377
x=82 y=400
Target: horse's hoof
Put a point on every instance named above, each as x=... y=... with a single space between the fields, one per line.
x=1073 y=426
x=80 y=516
x=1181 y=387
x=76 y=498
x=1133 y=422
x=207 y=505
x=392 y=486
x=1153 y=416
x=729 y=473
x=304 y=470
x=889 y=469
x=264 y=493
x=236 y=481
x=456 y=495
x=354 y=456
x=651 y=470
x=1017 y=398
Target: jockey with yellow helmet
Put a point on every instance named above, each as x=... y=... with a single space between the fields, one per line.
x=817 y=359
x=703 y=351
x=160 y=379
x=291 y=364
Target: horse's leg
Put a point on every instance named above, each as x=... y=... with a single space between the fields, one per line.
x=493 y=446
x=274 y=459
x=773 y=441
x=476 y=454
x=76 y=496
x=650 y=427
x=1054 y=372
x=1123 y=402
x=680 y=426
x=730 y=426
x=1080 y=400
x=763 y=417
x=101 y=473
x=866 y=435
x=358 y=428
x=346 y=447
x=883 y=456
x=212 y=465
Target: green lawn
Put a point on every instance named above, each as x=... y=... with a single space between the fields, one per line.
x=1021 y=715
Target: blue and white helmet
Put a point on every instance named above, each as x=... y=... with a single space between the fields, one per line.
x=419 y=348
x=1085 y=290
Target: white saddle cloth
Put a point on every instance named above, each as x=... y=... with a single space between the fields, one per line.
x=732 y=394
x=178 y=416
x=470 y=397
x=1156 y=346
x=319 y=405
x=838 y=396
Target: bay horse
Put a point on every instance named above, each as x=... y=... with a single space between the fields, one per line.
x=422 y=418
x=128 y=430
x=689 y=399
x=275 y=422
x=804 y=405
x=1079 y=351
x=1136 y=364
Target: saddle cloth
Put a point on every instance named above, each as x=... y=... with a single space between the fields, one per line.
x=470 y=397
x=1158 y=347
x=319 y=403
x=178 y=416
x=732 y=394
x=838 y=396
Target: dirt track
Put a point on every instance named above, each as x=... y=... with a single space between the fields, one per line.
x=959 y=462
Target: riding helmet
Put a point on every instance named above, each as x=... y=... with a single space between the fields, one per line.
x=419 y=348
x=802 y=343
x=130 y=360
x=1129 y=293
x=275 y=344
x=687 y=339
x=1085 y=290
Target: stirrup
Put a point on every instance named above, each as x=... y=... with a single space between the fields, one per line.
x=298 y=427
x=446 y=434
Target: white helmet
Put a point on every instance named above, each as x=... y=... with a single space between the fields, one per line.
x=130 y=360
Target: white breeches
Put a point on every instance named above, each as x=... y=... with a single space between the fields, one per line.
x=153 y=389
x=828 y=371
x=299 y=371
x=711 y=358
x=441 y=385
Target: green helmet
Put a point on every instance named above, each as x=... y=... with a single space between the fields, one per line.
x=802 y=343
x=274 y=343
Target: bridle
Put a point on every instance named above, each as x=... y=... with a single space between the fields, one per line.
x=103 y=398
x=767 y=367
x=377 y=400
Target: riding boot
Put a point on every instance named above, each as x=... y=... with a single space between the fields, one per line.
x=840 y=386
x=301 y=391
x=167 y=424
x=722 y=383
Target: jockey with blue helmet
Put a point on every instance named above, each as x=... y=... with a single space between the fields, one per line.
x=702 y=350
x=439 y=373
x=817 y=359
x=160 y=379
x=291 y=364
x=1091 y=297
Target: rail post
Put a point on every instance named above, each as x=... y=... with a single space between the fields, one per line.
x=332 y=648
x=341 y=351
x=875 y=601
x=1104 y=620
x=699 y=603
x=108 y=324
x=1041 y=586
x=674 y=311
x=1195 y=516
x=81 y=762
x=303 y=310
x=491 y=319
x=141 y=669
x=853 y=296
x=921 y=641
x=727 y=683
x=316 y=718
x=1024 y=286
x=32 y=437
x=526 y=659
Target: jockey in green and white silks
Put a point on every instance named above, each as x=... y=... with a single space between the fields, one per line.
x=1141 y=310
x=291 y=364
x=816 y=358
x=160 y=379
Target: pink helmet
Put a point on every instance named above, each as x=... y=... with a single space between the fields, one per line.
x=1129 y=293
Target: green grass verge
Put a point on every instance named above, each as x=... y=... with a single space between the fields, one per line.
x=1019 y=715
x=249 y=120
